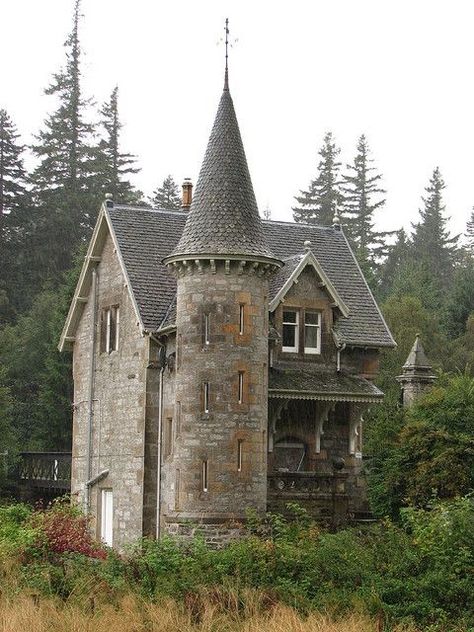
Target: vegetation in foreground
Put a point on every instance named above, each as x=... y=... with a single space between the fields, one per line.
x=285 y=575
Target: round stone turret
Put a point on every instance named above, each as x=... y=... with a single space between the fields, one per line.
x=218 y=468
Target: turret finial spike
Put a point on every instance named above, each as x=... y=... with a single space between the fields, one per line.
x=226 y=76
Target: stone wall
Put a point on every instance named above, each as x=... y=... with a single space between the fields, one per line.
x=209 y=441
x=119 y=406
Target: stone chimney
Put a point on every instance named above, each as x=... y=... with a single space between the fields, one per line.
x=417 y=376
x=187 y=194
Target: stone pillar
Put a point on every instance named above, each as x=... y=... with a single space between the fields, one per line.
x=417 y=376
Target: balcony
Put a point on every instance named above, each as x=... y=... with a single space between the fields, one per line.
x=50 y=471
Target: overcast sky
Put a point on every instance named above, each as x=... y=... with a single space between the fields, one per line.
x=400 y=71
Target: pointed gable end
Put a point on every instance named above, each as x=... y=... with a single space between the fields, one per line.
x=288 y=275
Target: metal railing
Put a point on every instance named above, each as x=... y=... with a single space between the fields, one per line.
x=45 y=469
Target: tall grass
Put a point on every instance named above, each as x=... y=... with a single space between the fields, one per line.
x=28 y=613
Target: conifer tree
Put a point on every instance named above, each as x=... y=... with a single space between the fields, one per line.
x=113 y=165
x=469 y=235
x=167 y=196
x=433 y=246
x=398 y=255
x=64 y=180
x=318 y=203
x=12 y=172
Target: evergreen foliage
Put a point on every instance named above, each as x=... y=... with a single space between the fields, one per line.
x=432 y=243
x=12 y=171
x=470 y=234
x=317 y=205
x=167 y=195
x=114 y=166
x=363 y=196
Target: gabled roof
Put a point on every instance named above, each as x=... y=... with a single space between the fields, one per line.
x=224 y=218
x=144 y=237
x=284 y=279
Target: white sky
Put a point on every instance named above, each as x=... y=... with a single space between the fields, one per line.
x=400 y=71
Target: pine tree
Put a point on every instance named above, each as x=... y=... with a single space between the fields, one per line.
x=317 y=205
x=398 y=255
x=167 y=196
x=65 y=179
x=433 y=246
x=114 y=166
x=469 y=235
x=362 y=197
x=12 y=172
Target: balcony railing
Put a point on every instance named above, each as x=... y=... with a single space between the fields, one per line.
x=48 y=470
x=306 y=484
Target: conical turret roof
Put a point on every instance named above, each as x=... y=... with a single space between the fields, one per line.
x=223 y=219
x=417 y=358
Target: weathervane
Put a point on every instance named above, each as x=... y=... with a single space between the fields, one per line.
x=227 y=43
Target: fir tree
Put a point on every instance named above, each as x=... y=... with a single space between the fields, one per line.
x=114 y=166
x=12 y=172
x=432 y=243
x=362 y=197
x=398 y=255
x=318 y=204
x=167 y=196
x=64 y=180
x=469 y=235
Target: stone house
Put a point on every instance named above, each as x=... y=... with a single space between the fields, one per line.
x=220 y=362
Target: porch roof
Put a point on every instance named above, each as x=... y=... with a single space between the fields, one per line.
x=313 y=383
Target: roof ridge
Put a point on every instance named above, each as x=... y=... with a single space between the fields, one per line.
x=280 y=221
x=148 y=210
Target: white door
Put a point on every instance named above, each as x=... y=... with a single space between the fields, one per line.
x=106 y=519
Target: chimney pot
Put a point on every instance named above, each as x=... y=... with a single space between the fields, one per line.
x=187 y=194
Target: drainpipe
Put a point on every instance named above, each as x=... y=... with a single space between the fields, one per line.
x=160 y=433
x=339 y=351
x=91 y=393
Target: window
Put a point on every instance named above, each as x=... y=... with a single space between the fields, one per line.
x=207 y=324
x=109 y=329
x=241 y=319
x=204 y=477
x=312 y=332
x=178 y=418
x=205 y=387
x=241 y=387
x=239 y=455
x=290 y=331
x=106 y=517
x=176 y=490
x=168 y=437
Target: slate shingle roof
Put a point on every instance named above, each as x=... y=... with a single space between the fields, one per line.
x=307 y=381
x=145 y=237
x=224 y=219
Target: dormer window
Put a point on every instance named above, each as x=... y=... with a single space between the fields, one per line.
x=312 y=332
x=290 y=330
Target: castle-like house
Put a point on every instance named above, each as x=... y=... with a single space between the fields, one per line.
x=221 y=362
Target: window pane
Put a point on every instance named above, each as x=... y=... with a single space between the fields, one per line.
x=289 y=317
x=311 y=337
x=312 y=318
x=289 y=336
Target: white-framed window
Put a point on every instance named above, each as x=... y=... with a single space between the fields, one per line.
x=109 y=329
x=106 y=516
x=290 y=330
x=241 y=387
x=241 y=319
x=205 y=397
x=312 y=332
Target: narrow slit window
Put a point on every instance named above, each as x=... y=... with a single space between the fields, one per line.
x=241 y=387
x=207 y=331
x=312 y=332
x=177 y=489
x=239 y=455
x=179 y=350
x=205 y=476
x=241 y=319
x=206 y=396
x=178 y=418
x=169 y=437
x=109 y=329
x=290 y=331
